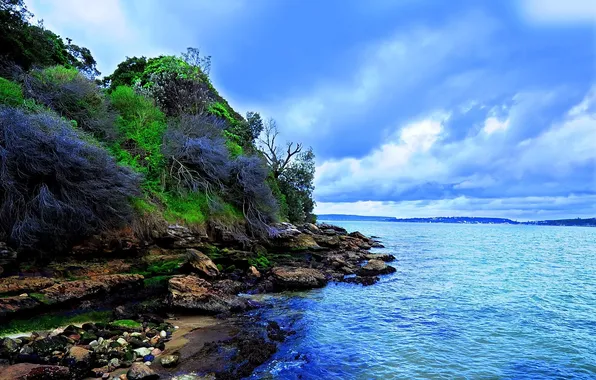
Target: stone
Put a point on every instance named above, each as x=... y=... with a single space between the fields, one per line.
x=193 y=293
x=143 y=351
x=169 y=361
x=139 y=371
x=254 y=272
x=8 y=347
x=358 y=235
x=284 y=230
x=156 y=352
x=122 y=341
x=380 y=256
x=298 y=278
x=148 y=358
x=147 y=363
x=327 y=241
x=94 y=343
x=202 y=264
x=163 y=334
x=114 y=363
x=28 y=371
x=375 y=268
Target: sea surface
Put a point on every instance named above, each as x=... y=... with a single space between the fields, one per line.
x=467 y=302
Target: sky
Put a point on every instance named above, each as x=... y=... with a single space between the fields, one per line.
x=414 y=108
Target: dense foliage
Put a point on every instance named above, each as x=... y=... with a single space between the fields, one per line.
x=154 y=142
x=56 y=185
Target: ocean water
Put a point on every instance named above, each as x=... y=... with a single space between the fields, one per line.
x=466 y=302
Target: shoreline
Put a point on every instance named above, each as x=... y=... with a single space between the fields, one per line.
x=217 y=335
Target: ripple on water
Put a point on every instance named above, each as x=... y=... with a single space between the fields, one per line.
x=467 y=301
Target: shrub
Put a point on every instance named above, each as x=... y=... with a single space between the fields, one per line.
x=55 y=187
x=11 y=93
x=70 y=94
x=251 y=194
x=142 y=126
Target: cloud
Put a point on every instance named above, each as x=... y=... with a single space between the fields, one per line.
x=559 y=11
x=416 y=164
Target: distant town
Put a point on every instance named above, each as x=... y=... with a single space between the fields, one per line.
x=588 y=222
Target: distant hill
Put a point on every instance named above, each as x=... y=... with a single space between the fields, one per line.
x=355 y=218
x=590 y=222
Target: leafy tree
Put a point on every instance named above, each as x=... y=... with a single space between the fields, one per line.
x=127 y=73
x=29 y=45
x=296 y=183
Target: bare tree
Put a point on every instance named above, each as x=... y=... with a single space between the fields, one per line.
x=277 y=158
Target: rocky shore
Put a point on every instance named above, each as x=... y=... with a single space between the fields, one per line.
x=143 y=288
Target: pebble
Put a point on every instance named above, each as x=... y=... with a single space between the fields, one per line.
x=162 y=334
x=148 y=358
x=105 y=376
x=176 y=327
x=94 y=343
x=126 y=334
x=156 y=352
x=143 y=351
x=100 y=340
x=123 y=377
x=24 y=295
x=147 y=363
x=122 y=341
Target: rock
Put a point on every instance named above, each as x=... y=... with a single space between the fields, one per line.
x=229 y=286
x=169 y=361
x=28 y=371
x=326 y=228
x=79 y=360
x=311 y=228
x=162 y=334
x=375 y=268
x=122 y=341
x=143 y=351
x=17 y=284
x=362 y=280
x=253 y=272
x=140 y=371
x=380 y=256
x=156 y=352
x=148 y=358
x=80 y=289
x=16 y=304
x=123 y=377
x=193 y=293
x=8 y=347
x=147 y=363
x=284 y=230
x=297 y=278
x=358 y=235
x=202 y=264
x=327 y=241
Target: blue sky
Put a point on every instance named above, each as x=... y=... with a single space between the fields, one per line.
x=413 y=107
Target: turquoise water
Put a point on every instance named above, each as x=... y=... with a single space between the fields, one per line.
x=467 y=301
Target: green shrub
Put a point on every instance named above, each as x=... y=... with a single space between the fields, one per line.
x=127 y=323
x=191 y=208
x=52 y=321
x=11 y=93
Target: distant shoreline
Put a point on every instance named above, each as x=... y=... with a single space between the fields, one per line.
x=588 y=222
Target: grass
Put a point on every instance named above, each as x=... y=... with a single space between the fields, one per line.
x=49 y=322
x=157 y=281
x=11 y=93
x=191 y=208
x=127 y=323
x=161 y=269
x=40 y=297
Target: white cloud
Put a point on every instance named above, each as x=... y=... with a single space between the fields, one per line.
x=492 y=125
x=559 y=11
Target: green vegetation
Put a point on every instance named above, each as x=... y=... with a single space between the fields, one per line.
x=127 y=323
x=11 y=94
x=167 y=267
x=155 y=144
x=157 y=281
x=40 y=297
x=261 y=262
x=52 y=321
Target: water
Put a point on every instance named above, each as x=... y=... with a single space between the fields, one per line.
x=467 y=301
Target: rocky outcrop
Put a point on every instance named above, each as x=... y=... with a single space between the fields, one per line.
x=21 y=285
x=375 y=268
x=15 y=304
x=297 y=278
x=81 y=289
x=193 y=293
x=201 y=264
x=7 y=256
x=28 y=371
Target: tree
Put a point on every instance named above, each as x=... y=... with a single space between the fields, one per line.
x=296 y=183
x=127 y=73
x=277 y=158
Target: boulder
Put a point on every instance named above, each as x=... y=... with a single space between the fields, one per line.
x=139 y=371
x=297 y=278
x=11 y=305
x=380 y=256
x=79 y=360
x=193 y=293
x=331 y=229
x=202 y=264
x=254 y=272
x=8 y=348
x=375 y=268
x=311 y=228
x=331 y=241
x=77 y=290
x=27 y=371
x=17 y=284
